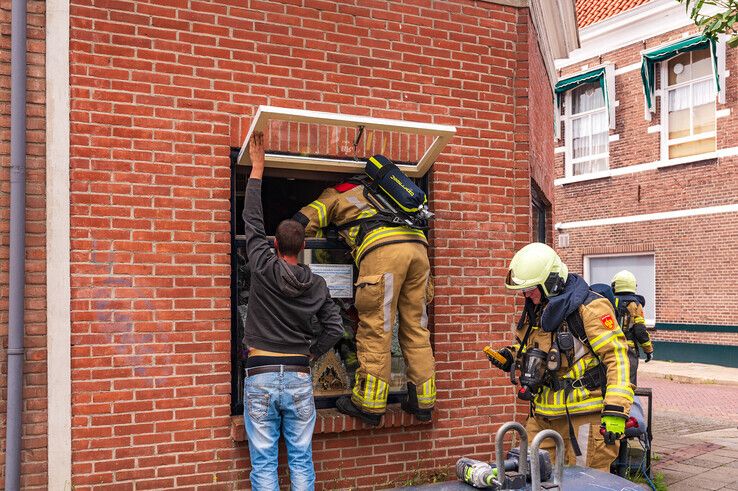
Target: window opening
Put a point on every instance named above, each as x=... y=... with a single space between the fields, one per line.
x=306 y=152
x=283 y=193
x=541 y=211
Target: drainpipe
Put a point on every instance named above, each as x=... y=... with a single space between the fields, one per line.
x=17 y=244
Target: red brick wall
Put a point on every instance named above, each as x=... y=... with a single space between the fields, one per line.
x=159 y=94
x=540 y=114
x=33 y=472
x=694 y=257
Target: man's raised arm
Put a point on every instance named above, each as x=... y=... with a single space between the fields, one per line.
x=257 y=246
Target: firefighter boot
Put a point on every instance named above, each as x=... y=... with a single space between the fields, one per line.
x=345 y=406
x=410 y=404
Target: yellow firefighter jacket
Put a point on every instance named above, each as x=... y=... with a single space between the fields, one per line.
x=609 y=345
x=339 y=208
x=634 y=325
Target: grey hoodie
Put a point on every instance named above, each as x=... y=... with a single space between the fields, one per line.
x=283 y=298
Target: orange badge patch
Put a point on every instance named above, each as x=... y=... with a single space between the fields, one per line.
x=608 y=321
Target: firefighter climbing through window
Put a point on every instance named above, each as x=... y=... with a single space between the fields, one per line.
x=382 y=220
x=572 y=358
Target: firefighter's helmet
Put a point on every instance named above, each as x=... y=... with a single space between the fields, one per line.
x=537 y=265
x=624 y=282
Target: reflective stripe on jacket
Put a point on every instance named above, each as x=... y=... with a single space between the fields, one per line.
x=338 y=208
x=635 y=331
x=609 y=344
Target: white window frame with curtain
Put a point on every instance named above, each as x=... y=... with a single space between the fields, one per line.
x=682 y=95
x=596 y=155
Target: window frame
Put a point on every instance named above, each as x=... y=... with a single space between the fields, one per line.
x=664 y=89
x=237 y=395
x=569 y=160
x=540 y=215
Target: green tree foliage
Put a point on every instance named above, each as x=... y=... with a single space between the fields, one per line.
x=724 y=21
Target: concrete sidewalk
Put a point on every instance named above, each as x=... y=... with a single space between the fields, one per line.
x=690 y=373
x=694 y=425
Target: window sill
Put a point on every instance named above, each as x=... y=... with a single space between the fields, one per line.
x=331 y=421
x=584 y=177
x=631 y=169
x=701 y=157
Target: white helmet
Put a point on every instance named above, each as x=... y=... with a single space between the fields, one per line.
x=537 y=265
x=624 y=282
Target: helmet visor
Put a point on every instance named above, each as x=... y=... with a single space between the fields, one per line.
x=514 y=283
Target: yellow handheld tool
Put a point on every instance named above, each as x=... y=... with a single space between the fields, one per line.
x=494 y=354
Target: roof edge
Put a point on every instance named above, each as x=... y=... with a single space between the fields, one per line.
x=631 y=26
x=556 y=30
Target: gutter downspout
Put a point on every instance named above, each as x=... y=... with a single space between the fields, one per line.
x=17 y=280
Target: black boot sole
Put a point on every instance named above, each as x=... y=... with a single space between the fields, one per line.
x=421 y=414
x=345 y=406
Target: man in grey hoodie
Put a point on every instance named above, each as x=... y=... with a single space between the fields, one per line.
x=284 y=297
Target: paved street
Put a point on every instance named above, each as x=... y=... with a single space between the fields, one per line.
x=695 y=434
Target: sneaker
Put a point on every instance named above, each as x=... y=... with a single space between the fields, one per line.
x=421 y=414
x=345 y=406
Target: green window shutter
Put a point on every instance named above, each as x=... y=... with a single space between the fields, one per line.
x=650 y=58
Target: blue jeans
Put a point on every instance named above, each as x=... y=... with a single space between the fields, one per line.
x=277 y=403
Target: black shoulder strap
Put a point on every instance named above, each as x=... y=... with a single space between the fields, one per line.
x=622 y=313
x=576 y=326
x=529 y=312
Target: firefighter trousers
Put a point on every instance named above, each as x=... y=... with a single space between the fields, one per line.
x=394 y=280
x=633 y=358
x=595 y=453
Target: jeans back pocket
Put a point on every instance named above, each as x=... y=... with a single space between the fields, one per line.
x=258 y=404
x=304 y=404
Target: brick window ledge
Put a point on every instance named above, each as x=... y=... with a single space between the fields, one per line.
x=331 y=421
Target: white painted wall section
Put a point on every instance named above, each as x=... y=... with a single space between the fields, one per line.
x=58 y=321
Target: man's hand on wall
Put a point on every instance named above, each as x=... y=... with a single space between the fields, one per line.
x=256 y=153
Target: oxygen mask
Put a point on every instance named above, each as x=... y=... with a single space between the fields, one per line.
x=531 y=373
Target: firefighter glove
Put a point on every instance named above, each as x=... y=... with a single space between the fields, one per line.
x=613 y=427
x=502 y=359
x=649 y=357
